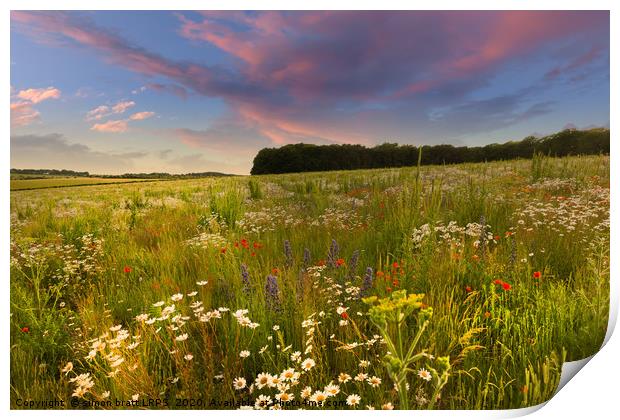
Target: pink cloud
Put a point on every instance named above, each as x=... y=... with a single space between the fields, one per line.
x=22 y=113
x=103 y=111
x=98 y=113
x=141 y=115
x=121 y=107
x=112 y=126
x=39 y=95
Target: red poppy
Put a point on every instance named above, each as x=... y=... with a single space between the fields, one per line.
x=223 y=251
x=506 y=286
x=389 y=289
x=236 y=244
x=379 y=273
x=339 y=262
x=25 y=329
x=344 y=315
x=253 y=254
x=257 y=245
x=537 y=274
x=498 y=281
x=321 y=263
x=127 y=269
x=468 y=289
x=395 y=264
x=245 y=243
x=275 y=271
x=487 y=314
x=496 y=237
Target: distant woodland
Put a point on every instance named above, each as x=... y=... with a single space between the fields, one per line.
x=303 y=157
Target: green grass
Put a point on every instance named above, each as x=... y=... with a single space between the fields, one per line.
x=85 y=259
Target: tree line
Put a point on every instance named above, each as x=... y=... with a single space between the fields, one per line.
x=303 y=157
x=45 y=173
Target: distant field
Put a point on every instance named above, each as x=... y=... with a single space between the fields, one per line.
x=54 y=182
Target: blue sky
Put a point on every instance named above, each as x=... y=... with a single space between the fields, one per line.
x=125 y=91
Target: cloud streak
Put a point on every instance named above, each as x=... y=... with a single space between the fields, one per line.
x=112 y=126
x=138 y=116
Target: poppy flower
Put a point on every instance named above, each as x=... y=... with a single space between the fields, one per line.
x=506 y=286
x=496 y=237
x=498 y=281
x=275 y=271
x=395 y=264
x=468 y=289
x=379 y=273
x=223 y=251
x=340 y=262
x=537 y=274
x=487 y=314
x=257 y=245
x=344 y=315
x=25 y=329
x=389 y=289
x=127 y=269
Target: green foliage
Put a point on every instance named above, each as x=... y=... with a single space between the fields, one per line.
x=309 y=158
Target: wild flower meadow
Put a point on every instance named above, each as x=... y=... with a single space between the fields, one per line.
x=439 y=287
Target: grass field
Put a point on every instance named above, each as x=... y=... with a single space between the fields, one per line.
x=456 y=287
x=57 y=182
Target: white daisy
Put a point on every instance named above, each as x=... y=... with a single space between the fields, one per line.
x=353 y=399
x=425 y=374
x=307 y=364
x=239 y=383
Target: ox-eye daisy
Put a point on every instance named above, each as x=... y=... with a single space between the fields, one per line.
x=425 y=374
x=239 y=383
x=307 y=364
x=353 y=399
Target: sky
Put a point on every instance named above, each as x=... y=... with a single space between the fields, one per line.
x=111 y=92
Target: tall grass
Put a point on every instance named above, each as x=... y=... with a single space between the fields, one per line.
x=510 y=301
